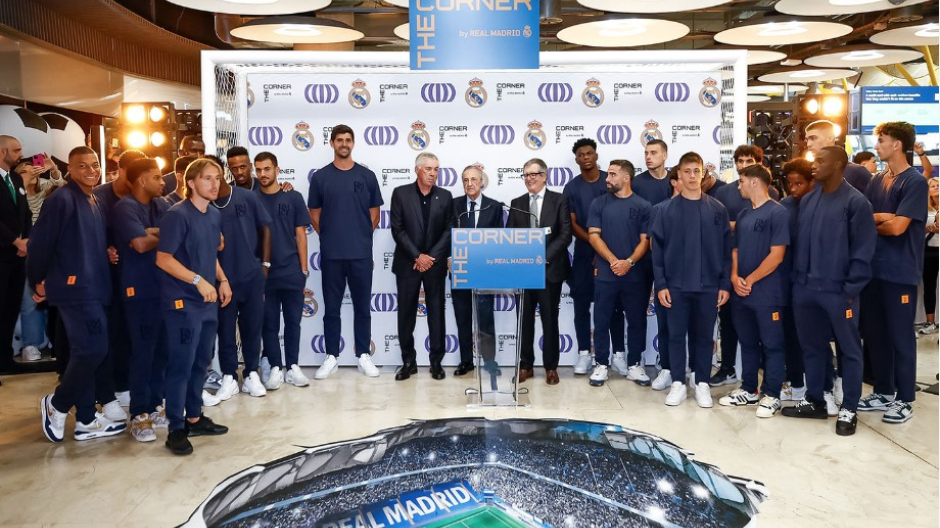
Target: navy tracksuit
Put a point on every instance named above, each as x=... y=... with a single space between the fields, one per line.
x=831 y=264
x=68 y=250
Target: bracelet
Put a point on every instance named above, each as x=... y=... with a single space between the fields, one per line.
x=223 y=280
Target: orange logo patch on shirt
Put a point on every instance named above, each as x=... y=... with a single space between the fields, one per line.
x=848 y=313
x=71 y=280
x=178 y=304
x=595 y=272
x=130 y=292
x=775 y=316
x=905 y=299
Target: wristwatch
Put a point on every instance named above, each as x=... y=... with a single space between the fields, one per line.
x=196 y=280
x=630 y=260
x=306 y=273
x=266 y=265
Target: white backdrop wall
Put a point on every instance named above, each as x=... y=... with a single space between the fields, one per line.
x=498 y=120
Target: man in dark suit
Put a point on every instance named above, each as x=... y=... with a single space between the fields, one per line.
x=15 y=224
x=475 y=211
x=422 y=216
x=542 y=208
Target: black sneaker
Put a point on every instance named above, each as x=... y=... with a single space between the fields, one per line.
x=205 y=427
x=845 y=425
x=178 y=442
x=723 y=377
x=807 y=409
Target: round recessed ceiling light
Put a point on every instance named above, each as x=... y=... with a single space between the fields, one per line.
x=297 y=30
x=777 y=31
x=925 y=32
x=863 y=55
x=806 y=74
x=253 y=7
x=838 y=7
x=403 y=31
x=754 y=56
x=626 y=32
x=648 y=6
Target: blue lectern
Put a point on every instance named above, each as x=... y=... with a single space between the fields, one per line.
x=489 y=261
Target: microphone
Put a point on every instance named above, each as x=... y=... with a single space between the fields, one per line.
x=467 y=213
x=524 y=211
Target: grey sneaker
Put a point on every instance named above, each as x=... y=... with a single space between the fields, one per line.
x=898 y=412
x=875 y=402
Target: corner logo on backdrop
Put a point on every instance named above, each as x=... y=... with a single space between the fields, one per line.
x=389 y=90
x=497 y=134
x=446 y=177
x=555 y=92
x=559 y=176
x=710 y=94
x=396 y=174
x=686 y=131
x=438 y=92
x=302 y=138
x=613 y=135
x=381 y=136
x=321 y=93
x=650 y=133
x=418 y=138
x=475 y=96
x=671 y=92
x=451 y=344
x=310 y=307
x=359 y=97
x=265 y=136
x=275 y=90
x=534 y=137
x=592 y=96
x=384 y=302
x=631 y=88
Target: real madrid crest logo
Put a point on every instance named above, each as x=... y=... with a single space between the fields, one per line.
x=538 y=260
x=251 y=97
x=422 y=305
x=527 y=32
x=359 y=97
x=711 y=170
x=534 y=137
x=486 y=179
x=475 y=95
x=650 y=133
x=302 y=139
x=709 y=95
x=310 y=303
x=593 y=95
x=418 y=138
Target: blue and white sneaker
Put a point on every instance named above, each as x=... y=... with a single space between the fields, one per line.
x=53 y=421
x=875 y=402
x=898 y=412
x=100 y=427
x=213 y=381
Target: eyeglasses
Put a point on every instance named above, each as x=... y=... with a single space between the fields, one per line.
x=532 y=175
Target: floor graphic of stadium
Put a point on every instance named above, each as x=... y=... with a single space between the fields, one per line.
x=477 y=473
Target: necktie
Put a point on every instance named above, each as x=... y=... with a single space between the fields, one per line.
x=10 y=186
x=473 y=218
x=534 y=209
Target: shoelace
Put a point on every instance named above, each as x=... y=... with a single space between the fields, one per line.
x=895 y=405
x=804 y=403
x=873 y=397
x=845 y=415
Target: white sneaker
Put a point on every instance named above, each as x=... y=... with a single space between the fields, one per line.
x=296 y=377
x=253 y=386
x=275 y=379
x=31 y=353
x=265 y=370
x=768 y=407
x=142 y=428
x=100 y=427
x=329 y=366
x=159 y=419
x=53 y=421
x=739 y=397
x=677 y=394
x=599 y=376
x=790 y=393
x=837 y=390
x=619 y=363
x=209 y=399
x=927 y=329
x=831 y=408
x=113 y=412
x=637 y=373
x=585 y=359
x=663 y=380
x=703 y=395
x=227 y=388
x=367 y=367
x=123 y=398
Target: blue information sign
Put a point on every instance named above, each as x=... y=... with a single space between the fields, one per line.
x=918 y=105
x=497 y=259
x=474 y=34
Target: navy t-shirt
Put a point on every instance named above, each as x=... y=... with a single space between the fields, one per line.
x=756 y=231
x=857 y=176
x=193 y=238
x=242 y=217
x=622 y=221
x=713 y=192
x=139 y=274
x=580 y=193
x=692 y=271
x=900 y=258
x=107 y=200
x=172 y=199
x=288 y=212
x=651 y=189
x=344 y=198
x=730 y=196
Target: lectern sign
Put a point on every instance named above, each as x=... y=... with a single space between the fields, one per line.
x=496 y=259
x=474 y=34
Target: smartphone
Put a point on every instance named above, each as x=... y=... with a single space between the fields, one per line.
x=39 y=160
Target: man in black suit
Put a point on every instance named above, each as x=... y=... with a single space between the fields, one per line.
x=475 y=211
x=552 y=213
x=422 y=216
x=15 y=224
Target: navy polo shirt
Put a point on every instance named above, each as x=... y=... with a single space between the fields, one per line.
x=731 y=198
x=713 y=192
x=288 y=212
x=193 y=238
x=344 y=198
x=139 y=274
x=107 y=201
x=242 y=217
x=651 y=189
x=900 y=258
x=857 y=176
x=622 y=221
x=756 y=231
x=580 y=193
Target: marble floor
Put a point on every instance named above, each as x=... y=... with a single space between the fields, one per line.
x=885 y=475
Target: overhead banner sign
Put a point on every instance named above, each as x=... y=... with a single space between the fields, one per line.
x=474 y=34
